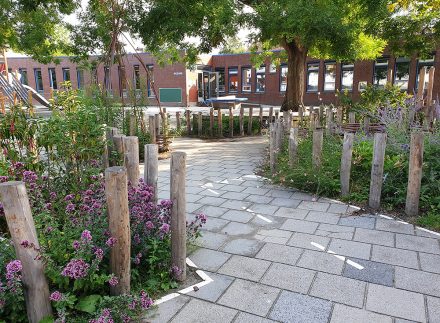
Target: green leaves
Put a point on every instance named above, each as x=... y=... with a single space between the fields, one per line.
x=88 y=303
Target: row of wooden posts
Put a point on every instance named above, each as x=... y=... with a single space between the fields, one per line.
x=21 y=225
x=278 y=129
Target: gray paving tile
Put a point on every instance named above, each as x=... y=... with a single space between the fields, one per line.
x=314 y=206
x=264 y=209
x=297 y=308
x=191 y=207
x=394 y=256
x=430 y=262
x=274 y=233
x=256 y=190
x=350 y=248
x=237 y=229
x=358 y=221
x=259 y=199
x=280 y=193
x=213 y=290
x=375 y=237
x=211 y=240
x=288 y=277
x=339 y=289
x=321 y=261
x=238 y=216
x=303 y=196
x=335 y=231
x=422 y=244
x=344 y=314
x=198 y=311
x=417 y=281
x=209 y=259
x=308 y=241
x=165 y=311
x=396 y=302
x=338 y=208
x=192 y=197
x=211 y=200
x=245 y=267
x=235 y=196
x=233 y=188
x=433 y=309
x=253 y=297
x=322 y=217
x=244 y=247
x=291 y=213
x=394 y=226
x=290 y=203
x=248 y=318
x=266 y=221
x=372 y=272
x=299 y=226
x=212 y=211
x=214 y=224
x=278 y=253
x=236 y=205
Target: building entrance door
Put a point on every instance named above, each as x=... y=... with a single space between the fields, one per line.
x=207 y=85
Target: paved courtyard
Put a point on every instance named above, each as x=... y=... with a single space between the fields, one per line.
x=280 y=255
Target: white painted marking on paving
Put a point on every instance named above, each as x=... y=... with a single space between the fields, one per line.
x=348 y=261
x=354 y=207
x=403 y=222
x=213 y=192
x=385 y=217
x=264 y=218
x=429 y=231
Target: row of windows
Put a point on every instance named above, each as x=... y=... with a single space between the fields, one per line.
x=380 y=74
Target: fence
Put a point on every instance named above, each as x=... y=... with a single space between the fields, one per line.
x=21 y=225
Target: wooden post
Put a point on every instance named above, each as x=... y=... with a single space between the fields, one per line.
x=30 y=98
x=318 y=138
x=329 y=120
x=347 y=153
x=272 y=144
x=301 y=114
x=277 y=115
x=429 y=104
x=132 y=125
x=293 y=145
x=220 y=123
x=118 y=144
x=251 y=113
x=339 y=116
x=270 y=115
x=352 y=117
x=178 y=124
x=211 y=122
x=279 y=130
x=116 y=192
x=131 y=158
x=157 y=124
x=152 y=129
x=231 y=122
x=377 y=169
x=51 y=93
x=321 y=114
x=200 y=124
x=21 y=226
x=188 y=122
x=195 y=123
x=178 y=213
x=241 y=121
x=2 y=103
x=366 y=124
x=151 y=168
x=260 y=119
x=414 y=174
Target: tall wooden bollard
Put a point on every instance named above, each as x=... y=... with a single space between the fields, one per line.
x=279 y=130
x=178 y=213
x=131 y=159
x=194 y=123
x=270 y=115
x=260 y=119
x=347 y=153
x=200 y=124
x=118 y=144
x=116 y=192
x=339 y=116
x=321 y=114
x=352 y=117
x=272 y=144
x=151 y=168
x=152 y=129
x=21 y=226
x=188 y=122
x=220 y=123
x=380 y=140
x=2 y=105
x=293 y=145
x=231 y=122
x=318 y=138
x=211 y=122
x=157 y=124
x=277 y=115
x=414 y=174
x=178 y=123
x=301 y=114
x=132 y=125
x=251 y=114
x=366 y=125
x=329 y=120
x=241 y=121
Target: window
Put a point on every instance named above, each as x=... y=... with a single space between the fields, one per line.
x=66 y=74
x=347 y=73
x=428 y=63
x=283 y=78
x=401 y=77
x=221 y=79
x=94 y=75
x=312 y=77
x=233 y=79
x=272 y=68
x=80 y=78
x=380 y=75
x=53 y=78
x=330 y=76
x=23 y=76
x=38 y=80
x=261 y=79
x=150 y=81
x=107 y=81
x=136 y=77
x=246 y=79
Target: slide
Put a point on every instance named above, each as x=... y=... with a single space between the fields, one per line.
x=38 y=96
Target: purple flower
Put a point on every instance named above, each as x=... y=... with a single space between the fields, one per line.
x=53 y=195
x=111 y=242
x=175 y=271
x=99 y=253
x=69 y=197
x=149 y=225
x=76 y=245
x=48 y=206
x=70 y=207
x=132 y=305
x=86 y=236
x=113 y=281
x=25 y=243
x=29 y=176
x=13 y=267
x=4 y=179
x=165 y=228
x=76 y=269
x=96 y=205
x=56 y=296
x=146 y=301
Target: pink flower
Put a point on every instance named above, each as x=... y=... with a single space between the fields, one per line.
x=99 y=253
x=70 y=207
x=111 y=242
x=56 y=296
x=149 y=225
x=14 y=267
x=69 y=197
x=76 y=269
x=113 y=281
x=165 y=228
x=76 y=245
x=86 y=236
x=146 y=301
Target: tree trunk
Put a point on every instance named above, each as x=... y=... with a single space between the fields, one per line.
x=296 y=59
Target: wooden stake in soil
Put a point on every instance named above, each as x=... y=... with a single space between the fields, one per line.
x=178 y=213
x=272 y=144
x=152 y=129
x=251 y=113
x=231 y=122
x=293 y=145
x=260 y=118
x=241 y=121
x=118 y=144
x=157 y=124
x=188 y=122
x=21 y=225
x=151 y=168
x=347 y=153
x=132 y=127
x=352 y=117
x=318 y=138
x=116 y=192
x=211 y=122
x=329 y=120
x=131 y=146
x=414 y=174
x=200 y=124
x=220 y=123
x=380 y=140
x=270 y=115
x=339 y=113
x=178 y=123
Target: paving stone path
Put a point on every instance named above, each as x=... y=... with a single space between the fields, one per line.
x=280 y=255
